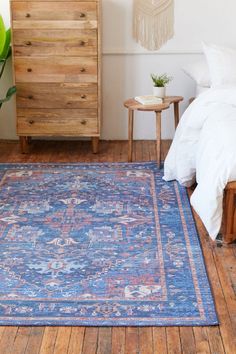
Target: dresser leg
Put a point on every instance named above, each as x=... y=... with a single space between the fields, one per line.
x=24 y=144
x=95 y=142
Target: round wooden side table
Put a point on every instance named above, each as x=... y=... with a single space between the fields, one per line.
x=133 y=105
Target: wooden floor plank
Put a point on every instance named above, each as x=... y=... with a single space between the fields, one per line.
x=138 y=152
x=187 y=339
x=201 y=340
x=123 y=156
x=102 y=156
x=118 y=340
x=21 y=340
x=2 y=329
x=231 y=266
x=152 y=151
x=159 y=340
x=131 y=340
x=145 y=340
x=76 y=340
x=9 y=151
x=224 y=258
x=35 y=340
x=62 y=340
x=117 y=151
x=90 y=340
x=104 y=340
x=215 y=341
x=7 y=339
x=48 y=340
x=173 y=340
x=145 y=151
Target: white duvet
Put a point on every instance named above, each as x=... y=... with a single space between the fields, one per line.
x=204 y=149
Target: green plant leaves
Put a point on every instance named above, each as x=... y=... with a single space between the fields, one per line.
x=161 y=80
x=2 y=36
x=6 y=50
x=5 y=40
x=11 y=91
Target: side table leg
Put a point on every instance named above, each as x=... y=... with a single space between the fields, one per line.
x=131 y=131
x=176 y=113
x=158 y=136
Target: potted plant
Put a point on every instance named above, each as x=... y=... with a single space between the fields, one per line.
x=5 y=52
x=159 y=84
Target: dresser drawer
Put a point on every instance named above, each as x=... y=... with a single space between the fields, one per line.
x=51 y=15
x=58 y=69
x=51 y=11
x=67 y=42
x=71 y=95
x=46 y=122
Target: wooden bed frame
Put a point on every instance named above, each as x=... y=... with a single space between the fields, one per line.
x=228 y=229
x=229 y=216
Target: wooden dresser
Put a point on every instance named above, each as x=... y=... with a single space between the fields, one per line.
x=57 y=65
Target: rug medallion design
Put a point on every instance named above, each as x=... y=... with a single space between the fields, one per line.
x=99 y=244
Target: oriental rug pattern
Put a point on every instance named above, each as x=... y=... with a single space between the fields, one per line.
x=99 y=244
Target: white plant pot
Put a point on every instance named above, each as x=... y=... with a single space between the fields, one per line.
x=159 y=92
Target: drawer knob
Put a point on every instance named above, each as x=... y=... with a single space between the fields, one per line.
x=30 y=97
x=83 y=122
x=82 y=43
x=82 y=15
x=28 y=43
x=31 y=122
x=28 y=15
x=82 y=70
x=29 y=70
x=83 y=96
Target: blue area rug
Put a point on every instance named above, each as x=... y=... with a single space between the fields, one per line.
x=99 y=245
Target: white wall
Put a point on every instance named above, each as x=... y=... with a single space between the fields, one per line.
x=127 y=66
x=209 y=20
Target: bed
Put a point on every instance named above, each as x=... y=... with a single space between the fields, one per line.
x=228 y=226
x=204 y=147
x=204 y=151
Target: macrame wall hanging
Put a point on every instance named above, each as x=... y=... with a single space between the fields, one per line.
x=153 y=23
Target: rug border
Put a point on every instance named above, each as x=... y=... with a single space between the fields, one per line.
x=202 y=255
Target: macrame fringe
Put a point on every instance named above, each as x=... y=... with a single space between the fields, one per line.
x=153 y=30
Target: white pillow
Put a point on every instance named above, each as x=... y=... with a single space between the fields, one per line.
x=222 y=65
x=199 y=72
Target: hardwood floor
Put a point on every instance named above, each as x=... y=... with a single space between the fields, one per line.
x=220 y=262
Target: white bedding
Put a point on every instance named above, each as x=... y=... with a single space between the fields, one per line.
x=204 y=149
